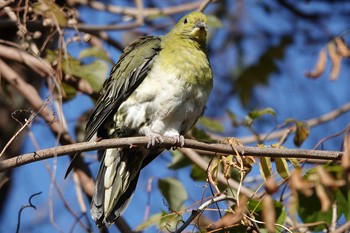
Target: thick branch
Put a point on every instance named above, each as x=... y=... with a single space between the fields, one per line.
x=41 y=67
x=168 y=142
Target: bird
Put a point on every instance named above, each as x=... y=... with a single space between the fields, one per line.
x=158 y=88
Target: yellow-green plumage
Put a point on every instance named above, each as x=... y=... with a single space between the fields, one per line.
x=158 y=87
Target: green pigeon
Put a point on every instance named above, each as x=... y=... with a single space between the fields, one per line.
x=159 y=87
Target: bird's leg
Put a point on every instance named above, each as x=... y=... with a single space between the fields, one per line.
x=153 y=137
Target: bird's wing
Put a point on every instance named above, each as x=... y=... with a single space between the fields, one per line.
x=125 y=77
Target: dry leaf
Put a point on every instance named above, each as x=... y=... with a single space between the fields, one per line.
x=345 y=160
x=343 y=49
x=268 y=213
x=320 y=65
x=270 y=185
x=232 y=218
x=324 y=199
x=299 y=184
x=327 y=180
x=336 y=61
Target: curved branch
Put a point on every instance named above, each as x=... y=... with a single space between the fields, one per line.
x=200 y=209
x=310 y=122
x=168 y=142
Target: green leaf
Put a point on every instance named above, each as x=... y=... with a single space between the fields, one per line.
x=301 y=133
x=155 y=219
x=211 y=124
x=198 y=174
x=295 y=162
x=265 y=167
x=309 y=210
x=162 y=220
x=49 y=9
x=179 y=160
x=69 y=91
x=95 y=73
x=258 y=74
x=256 y=207
x=95 y=52
x=343 y=200
x=262 y=112
x=282 y=167
x=200 y=134
x=174 y=192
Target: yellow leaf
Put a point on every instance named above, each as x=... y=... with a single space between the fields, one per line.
x=265 y=167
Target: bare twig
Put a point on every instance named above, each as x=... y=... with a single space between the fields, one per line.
x=132 y=11
x=24 y=207
x=27 y=122
x=311 y=123
x=343 y=229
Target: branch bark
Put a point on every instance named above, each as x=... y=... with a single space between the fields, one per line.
x=168 y=142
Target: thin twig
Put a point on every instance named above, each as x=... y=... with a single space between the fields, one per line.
x=280 y=133
x=201 y=208
x=27 y=122
x=24 y=207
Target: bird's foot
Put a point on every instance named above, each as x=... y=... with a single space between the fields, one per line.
x=153 y=138
x=179 y=139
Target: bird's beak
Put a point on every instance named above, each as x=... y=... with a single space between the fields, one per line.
x=200 y=25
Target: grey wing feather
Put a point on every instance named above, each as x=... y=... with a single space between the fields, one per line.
x=125 y=77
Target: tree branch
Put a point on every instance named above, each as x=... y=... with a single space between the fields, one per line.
x=310 y=122
x=168 y=142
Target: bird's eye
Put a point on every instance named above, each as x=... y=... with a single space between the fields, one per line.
x=185 y=21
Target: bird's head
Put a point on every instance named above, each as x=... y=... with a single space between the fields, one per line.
x=193 y=26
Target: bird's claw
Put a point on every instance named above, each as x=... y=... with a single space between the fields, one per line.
x=179 y=140
x=153 y=138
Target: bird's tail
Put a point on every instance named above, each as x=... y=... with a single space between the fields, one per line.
x=116 y=182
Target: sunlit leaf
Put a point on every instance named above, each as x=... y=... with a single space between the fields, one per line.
x=282 y=167
x=95 y=73
x=95 y=52
x=259 y=113
x=174 y=192
x=265 y=167
x=49 y=9
x=301 y=133
x=295 y=162
x=211 y=124
x=155 y=219
x=161 y=220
